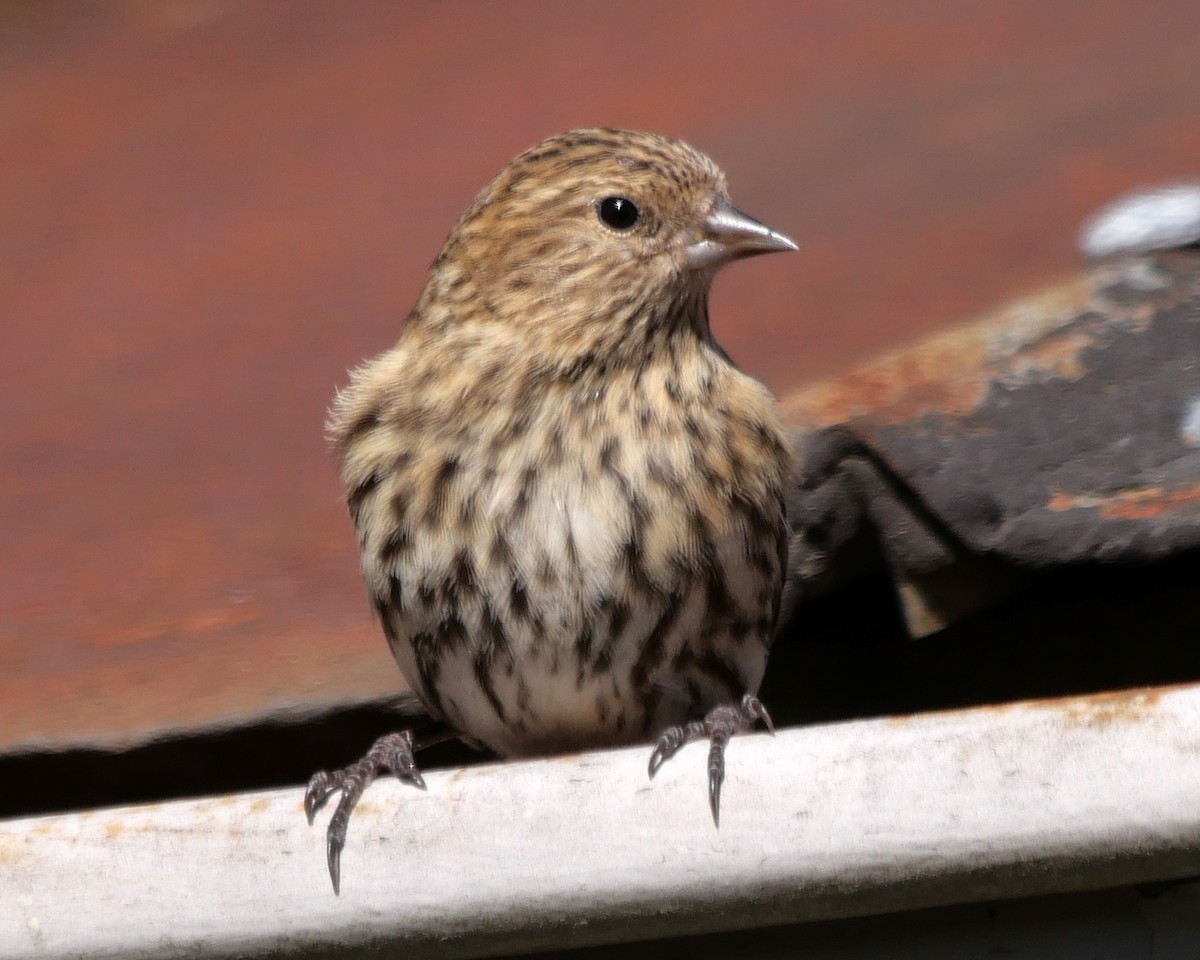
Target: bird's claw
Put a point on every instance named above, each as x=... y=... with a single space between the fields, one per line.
x=317 y=793
x=669 y=742
x=393 y=754
x=753 y=710
x=721 y=723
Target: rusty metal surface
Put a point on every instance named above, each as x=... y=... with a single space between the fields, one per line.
x=211 y=210
x=1059 y=431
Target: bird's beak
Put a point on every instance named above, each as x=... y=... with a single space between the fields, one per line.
x=728 y=234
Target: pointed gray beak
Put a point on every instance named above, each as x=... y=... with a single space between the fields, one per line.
x=728 y=234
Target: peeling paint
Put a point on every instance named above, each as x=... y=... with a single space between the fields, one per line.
x=1137 y=504
x=1106 y=709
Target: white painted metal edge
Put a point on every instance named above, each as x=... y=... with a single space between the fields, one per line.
x=821 y=822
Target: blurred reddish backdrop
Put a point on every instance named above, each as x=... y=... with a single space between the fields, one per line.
x=209 y=210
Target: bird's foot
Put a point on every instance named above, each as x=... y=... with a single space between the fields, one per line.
x=392 y=754
x=721 y=723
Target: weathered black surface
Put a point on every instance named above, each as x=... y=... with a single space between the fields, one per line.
x=1063 y=432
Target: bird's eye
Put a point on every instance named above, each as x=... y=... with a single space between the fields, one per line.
x=620 y=213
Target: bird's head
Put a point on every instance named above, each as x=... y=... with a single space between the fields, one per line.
x=597 y=227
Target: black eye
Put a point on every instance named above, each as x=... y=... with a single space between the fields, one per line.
x=620 y=213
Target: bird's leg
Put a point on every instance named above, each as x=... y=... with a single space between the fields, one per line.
x=721 y=723
x=392 y=753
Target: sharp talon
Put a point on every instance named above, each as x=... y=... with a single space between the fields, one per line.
x=766 y=719
x=333 y=855
x=715 y=778
x=716 y=769
x=315 y=795
x=656 y=759
x=658 y=756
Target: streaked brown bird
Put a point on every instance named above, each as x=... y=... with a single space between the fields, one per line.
x=569 y=501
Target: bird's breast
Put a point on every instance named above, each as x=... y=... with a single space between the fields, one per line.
x=582 y=577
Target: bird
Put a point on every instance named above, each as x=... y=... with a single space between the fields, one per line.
x=569 y=502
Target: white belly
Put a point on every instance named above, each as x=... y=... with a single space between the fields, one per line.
x=581 y=618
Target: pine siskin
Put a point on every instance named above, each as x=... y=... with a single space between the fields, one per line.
x=569 y=502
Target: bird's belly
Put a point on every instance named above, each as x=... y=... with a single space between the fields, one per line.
x=557 y=696
x=571 y=617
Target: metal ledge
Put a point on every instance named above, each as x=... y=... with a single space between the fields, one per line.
x=844 y=820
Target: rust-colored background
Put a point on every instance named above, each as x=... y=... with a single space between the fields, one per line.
x=209 y=210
